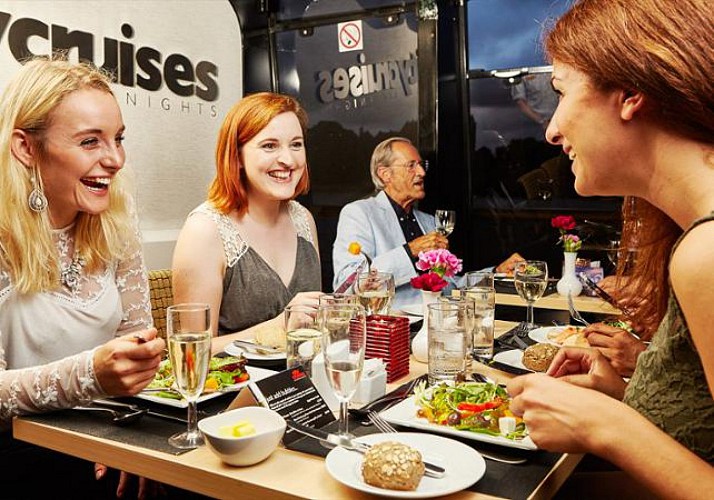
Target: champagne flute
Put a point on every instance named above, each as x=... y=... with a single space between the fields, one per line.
x=189 y=337
x=530 y=278
x=344 y=339
x=376 y=291
x=445 y=221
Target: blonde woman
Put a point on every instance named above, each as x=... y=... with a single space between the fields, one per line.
x=75 y=320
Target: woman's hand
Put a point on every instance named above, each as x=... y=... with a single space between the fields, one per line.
x=560 y=416
x=306 y=299
x=587 y=368
x=146 y=487
x=617 y=345
x=125 y=365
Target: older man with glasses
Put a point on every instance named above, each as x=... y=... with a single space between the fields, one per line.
x=390 y=230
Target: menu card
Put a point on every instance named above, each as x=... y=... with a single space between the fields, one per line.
x=292 y=394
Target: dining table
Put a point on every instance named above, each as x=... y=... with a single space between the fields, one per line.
x=287 y=473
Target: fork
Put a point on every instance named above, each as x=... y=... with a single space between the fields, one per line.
x=387 y=428
x=574 y=312
x=391 y=400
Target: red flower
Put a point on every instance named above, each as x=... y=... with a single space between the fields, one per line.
x=563 y=222
x=431 y=282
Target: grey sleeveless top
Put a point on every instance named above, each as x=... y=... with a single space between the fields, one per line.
x=669 y=386
x=252 y=290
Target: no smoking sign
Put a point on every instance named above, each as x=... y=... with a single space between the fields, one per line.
x=349 y=36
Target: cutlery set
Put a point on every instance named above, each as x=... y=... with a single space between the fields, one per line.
x=132 y=414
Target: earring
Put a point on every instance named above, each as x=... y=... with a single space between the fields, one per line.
x=37 y=199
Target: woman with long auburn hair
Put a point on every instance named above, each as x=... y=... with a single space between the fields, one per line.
x=250 y=249
x=636 y=116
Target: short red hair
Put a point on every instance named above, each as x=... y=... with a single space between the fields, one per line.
x=244 y=121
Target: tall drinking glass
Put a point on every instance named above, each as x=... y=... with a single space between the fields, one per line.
x=337 y=298
x=303 y=337
x=344 y=338
x=450 y=324
x=189 y=337
x=445 y=221
x=531 y=279
x=376 y=291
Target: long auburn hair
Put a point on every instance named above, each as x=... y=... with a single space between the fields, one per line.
x=663 y=49
x=245 y=120
x=27 y=249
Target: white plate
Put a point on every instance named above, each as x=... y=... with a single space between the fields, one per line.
x=464 y=465
x=541 y=334
x=255 y=375
x=405 y=413
x=413 y=309
x=235 y=350
x=511 y=358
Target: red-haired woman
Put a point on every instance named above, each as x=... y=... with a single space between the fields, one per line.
x=250 y=249
x=636 y=115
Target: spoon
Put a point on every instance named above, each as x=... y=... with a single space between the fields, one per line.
x=118 y=417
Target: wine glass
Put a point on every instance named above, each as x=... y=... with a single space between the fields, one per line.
x=189 y=337
x=530 y=278
x=445 y=221
x=344 y=338
x=375 y=291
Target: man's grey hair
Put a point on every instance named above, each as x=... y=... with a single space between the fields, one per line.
x=383 y=156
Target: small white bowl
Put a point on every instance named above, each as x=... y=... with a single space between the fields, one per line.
x=246 y=450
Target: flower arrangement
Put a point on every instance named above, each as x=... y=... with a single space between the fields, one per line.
x=565 y=223
x=355 y=249
x=437 y=264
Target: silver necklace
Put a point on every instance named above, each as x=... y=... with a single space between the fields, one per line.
x=69 y=274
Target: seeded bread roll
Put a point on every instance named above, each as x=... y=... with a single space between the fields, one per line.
x=539 y=356
x=270 y=336
x=392 y=465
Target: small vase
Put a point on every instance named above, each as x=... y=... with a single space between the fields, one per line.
x=569 y=283
x=420 y=342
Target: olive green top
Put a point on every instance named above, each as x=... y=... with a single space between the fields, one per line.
x=669 y=386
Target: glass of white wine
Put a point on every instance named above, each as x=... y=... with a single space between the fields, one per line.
x=188 y=334
x=376 y=291
x=445 y=221
x=303 y=337
x=344 y=339
x=531 y=279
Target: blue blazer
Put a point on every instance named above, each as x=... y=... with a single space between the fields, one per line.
x=373 y=223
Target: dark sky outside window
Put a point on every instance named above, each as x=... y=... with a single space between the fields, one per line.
x=507 y=33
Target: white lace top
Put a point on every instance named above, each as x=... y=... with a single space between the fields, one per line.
x=47 y=339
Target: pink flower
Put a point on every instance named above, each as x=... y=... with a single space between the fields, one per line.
x=564 y=223
x=441 y=262
x=431 y=282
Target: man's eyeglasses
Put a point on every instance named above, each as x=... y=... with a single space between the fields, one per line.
x=412 y=165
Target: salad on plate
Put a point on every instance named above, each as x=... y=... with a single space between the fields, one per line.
x=223 y=372
x=478 y=407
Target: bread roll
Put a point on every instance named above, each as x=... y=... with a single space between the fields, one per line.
x=272 y=336
x=539 y=356
x=392 y=465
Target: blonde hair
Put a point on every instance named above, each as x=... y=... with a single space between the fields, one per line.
x=27 y=250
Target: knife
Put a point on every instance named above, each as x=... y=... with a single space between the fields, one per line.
x=431 y=470
x=256 y=349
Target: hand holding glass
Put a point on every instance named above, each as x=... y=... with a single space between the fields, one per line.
x=445 y=221
x=189 y=338
x=530 y=278
x=344 y=338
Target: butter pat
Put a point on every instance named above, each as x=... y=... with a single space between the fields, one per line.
x=241 y=428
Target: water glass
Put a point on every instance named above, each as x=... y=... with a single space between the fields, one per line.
x=188 y=334
x=479 y=279
x=303 y=337
x=484 y=300
x=449 y=326
x=376 y=291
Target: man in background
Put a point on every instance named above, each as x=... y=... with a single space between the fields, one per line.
x=390 y=230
